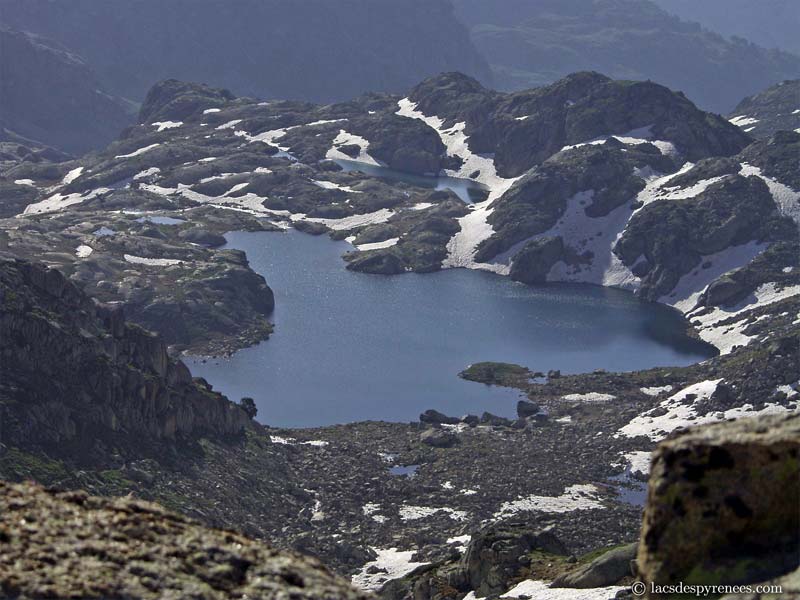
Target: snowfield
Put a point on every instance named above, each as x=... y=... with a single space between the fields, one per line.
x=576 y=497
x=680 y=410
x=390 y=563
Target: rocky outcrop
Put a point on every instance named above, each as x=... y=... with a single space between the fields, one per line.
x=776 y=108
x=173 y=100
x=74 y=371
x=674 y=235
x=722 y=504
x=51 y=95
x=524 y=128
x=75 y=545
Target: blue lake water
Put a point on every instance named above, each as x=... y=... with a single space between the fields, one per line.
x=469 y=191
x=351 y=346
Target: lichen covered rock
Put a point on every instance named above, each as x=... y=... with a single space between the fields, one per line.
x=72 y=545
x=723 y=504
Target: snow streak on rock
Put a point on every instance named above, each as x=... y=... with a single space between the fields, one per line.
x=474 y=227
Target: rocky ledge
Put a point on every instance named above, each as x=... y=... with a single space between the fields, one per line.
x=72 y=545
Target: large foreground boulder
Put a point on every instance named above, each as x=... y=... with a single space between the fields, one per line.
x=72 y=545
x=723 y=504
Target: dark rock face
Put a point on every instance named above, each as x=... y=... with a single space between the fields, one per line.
x=777 y=157
x=383 y=262
x=534 y=43
x=258 y=47
x=50 y=95
x=722 y=504
x=774 y=109
x=673 y=235
x=141 y=550
x=534 y=261
x=84 y=372
x=492 y=557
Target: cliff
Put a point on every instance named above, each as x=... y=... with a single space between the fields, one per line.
x=72 y=370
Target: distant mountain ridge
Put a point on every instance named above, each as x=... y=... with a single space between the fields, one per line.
x=768 y=23
x=49 y=94
x=533 y=42
x=308 y=50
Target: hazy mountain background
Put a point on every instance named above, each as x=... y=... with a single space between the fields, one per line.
x=768 y=23
x=73 y=71
x=533 y=42
x=313 y=50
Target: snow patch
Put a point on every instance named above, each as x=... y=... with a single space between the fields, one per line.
x=330 y=185
x=541 y=590
x=57 y=202
x=642 y=135
x=164 y=125
x=726 y=336
x=72 y=176
x=638 y=461
x=655 y=391
x=588 y=397
x=786 y=199
x=346 y=139
x=229 y=124
x=153 y=262
x=410 y=512
x=390 y=563
x=147 y=173
x=351 y=222
x=743 y=120
x=377 y=245
x=687 y=292
x=138 y=152
x=576 y=497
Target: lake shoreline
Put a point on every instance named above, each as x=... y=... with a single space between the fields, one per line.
x=664 y=329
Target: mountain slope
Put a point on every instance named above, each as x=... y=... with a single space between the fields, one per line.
x=772 y=110
x=312 y=49
x=536 y=42
x=50 y=95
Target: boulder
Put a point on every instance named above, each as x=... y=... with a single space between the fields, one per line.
x=723 y=503
x=438 y=438
x=435 y=417
x=526 y=409
x=603 y=571
x=492 y=559
x=488 y=418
